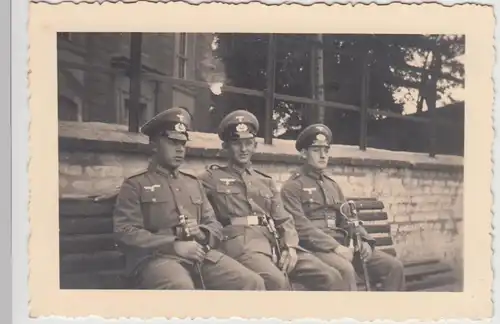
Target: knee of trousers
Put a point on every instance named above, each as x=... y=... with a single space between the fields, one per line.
x=163 y=282
x=396 y=265
x=333 y=276
x=346 y=269
x=275 y=282
x=252 y=281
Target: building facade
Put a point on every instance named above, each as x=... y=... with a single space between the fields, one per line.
x=103 y=96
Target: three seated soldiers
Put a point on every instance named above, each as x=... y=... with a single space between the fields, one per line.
x=231 y=229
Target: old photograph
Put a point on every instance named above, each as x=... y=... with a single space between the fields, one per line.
x=231 y=161
x=191 y=162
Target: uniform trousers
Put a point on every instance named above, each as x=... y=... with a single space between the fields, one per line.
x=309 y=271
x=382 y=267
x=226 y=274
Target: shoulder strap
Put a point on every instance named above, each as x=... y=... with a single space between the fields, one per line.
x=295 y=174
x=137 y=174
x=214 y=166
x=263 y=174
x=188 y=174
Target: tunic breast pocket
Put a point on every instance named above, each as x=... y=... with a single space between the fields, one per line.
x=310 y=201
x=155 y=213
x=267 y=198
x=196 y=202
x=229 y=194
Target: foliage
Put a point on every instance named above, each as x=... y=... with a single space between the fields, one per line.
x=245 y=57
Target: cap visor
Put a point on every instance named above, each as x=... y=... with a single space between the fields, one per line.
x=244 y=135
x=177 y=136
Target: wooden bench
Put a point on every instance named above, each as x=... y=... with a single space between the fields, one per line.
x=421 y=275
x=89 y=258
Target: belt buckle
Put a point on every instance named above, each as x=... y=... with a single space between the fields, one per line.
x=330 y=223
x=253 y=220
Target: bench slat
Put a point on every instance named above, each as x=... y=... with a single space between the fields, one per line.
x=86 y=225
x=372 y=216
x=413 y=273
x=387 y=249
x=369 y=204
x=383 y=241
x=93 y=280
x=385 y=228
x=431 y=282
x=101 y=261
x=90 y=243
x=414 y=263
x=85 y=207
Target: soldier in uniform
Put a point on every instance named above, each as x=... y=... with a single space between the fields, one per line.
x=244 y=199
x=310 y=194
x=165 y=224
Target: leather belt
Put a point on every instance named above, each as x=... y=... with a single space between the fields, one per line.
x=252 y=220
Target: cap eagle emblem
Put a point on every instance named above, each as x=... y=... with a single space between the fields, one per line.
x=179 y=127
x=321 y=137
x=241 y=128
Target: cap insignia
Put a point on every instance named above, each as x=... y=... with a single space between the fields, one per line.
x=240 y=118
x=181 y=117
x=321 y=137
x=180 y=127
x=241 y=128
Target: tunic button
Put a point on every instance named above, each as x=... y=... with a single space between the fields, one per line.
x=228 y=191
x=153 y=200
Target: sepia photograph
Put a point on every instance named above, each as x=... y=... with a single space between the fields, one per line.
x=166 y=180
x=193 y=166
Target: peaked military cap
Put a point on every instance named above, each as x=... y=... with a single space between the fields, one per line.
x=238 y=124
x=314 y=135
x=173 y=123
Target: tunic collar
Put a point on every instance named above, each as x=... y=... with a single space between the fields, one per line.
x=169 y=173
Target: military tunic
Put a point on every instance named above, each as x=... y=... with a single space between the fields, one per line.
x=312 y=198
x=146 y=221
x=238 y=193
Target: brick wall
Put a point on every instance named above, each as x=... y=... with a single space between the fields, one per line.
x=423 y=197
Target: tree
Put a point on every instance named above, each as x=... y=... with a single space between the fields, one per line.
x=245 y=56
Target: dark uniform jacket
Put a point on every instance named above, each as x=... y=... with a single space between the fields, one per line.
x=239 y=193
x=313 y=199
x=146 y=215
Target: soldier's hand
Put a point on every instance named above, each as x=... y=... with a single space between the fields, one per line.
x=190 y=250
x=365 y=251
x=194 y=229
x=288 y=260
x=345 y=252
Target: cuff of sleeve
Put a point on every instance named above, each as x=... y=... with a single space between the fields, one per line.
x=370 y=240
x=210 y=239
x=291 y=241
x=168 y=246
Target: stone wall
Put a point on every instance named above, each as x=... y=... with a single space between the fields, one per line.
x=423 y=196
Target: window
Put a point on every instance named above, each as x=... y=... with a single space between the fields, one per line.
x=181 y=56
x=142 y=114
x=68 y=109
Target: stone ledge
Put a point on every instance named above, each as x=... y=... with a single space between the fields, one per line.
x=101 y=137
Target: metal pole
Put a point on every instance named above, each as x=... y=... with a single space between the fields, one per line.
x=365 y=93
x=320 y=85
x=135 y=81
x=270 y=89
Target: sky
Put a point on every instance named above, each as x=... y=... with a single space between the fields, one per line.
x=410 y=104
